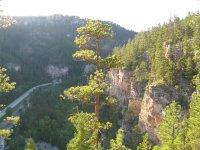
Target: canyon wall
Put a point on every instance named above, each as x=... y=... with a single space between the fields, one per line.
x=144 y=103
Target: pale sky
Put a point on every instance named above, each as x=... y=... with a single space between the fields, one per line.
x=136 y=15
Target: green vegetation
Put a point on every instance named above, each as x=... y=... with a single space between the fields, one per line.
x=194 y=123
x=165 y=53
x=32 y=45
x=30 y=145
x=145 y=145
x=168 y=55
x=90 y=36
x=118 y=143
x=5 y=84
x=87 y=128
x=170 y=126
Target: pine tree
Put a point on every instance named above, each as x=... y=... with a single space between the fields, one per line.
x=86 y=132
x=194 y=123
x=170 y=126
x=30 y=145
x=145 y=145
x=117 y=144
x=181 y=140
x=88 y=40
x=6 y=21
x=87 y=126
x=141 y=72
x=5 y=85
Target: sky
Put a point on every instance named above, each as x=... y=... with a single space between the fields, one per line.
x=137 y=15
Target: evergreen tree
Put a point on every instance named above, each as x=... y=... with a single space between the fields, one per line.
x=181 y=140
x=141 y=72
x=117 y=144
x=194 y=123
x=5 y=85
x=6 y=21
x=145 y=145
x=87 y=128
x=170 y=126
x=89 y=40
x=30 y=145
x=86 y=132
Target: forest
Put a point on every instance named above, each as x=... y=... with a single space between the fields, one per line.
x=34 y=46
x=80 y=113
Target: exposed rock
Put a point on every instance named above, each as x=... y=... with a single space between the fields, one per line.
x=134 y=103
x=120 y=81
x=172 y=53
x=155 y=100
x=56 y=72
x=166 y=49
x=129 y=94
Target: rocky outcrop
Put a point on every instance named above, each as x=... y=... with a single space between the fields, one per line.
x=172 y=53
x=120 y=82
x=129 y=95
x=147 y=104
x=126 y=90
x=155 y=100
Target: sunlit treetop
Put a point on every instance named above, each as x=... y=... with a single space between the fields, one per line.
x=5 y=85
x=6 y=21
x=92 y=32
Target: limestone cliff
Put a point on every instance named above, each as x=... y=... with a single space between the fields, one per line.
x=129 y=93
x=155 y=100
x=146 y=103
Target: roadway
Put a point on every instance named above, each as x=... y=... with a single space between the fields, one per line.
x=14 y=104
x=22 y=97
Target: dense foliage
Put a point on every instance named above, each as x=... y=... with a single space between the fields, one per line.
x=45 y=113
x=90 y=37
x=168 y=53
x=30 y=145
x=38 y=49
x=118 y=143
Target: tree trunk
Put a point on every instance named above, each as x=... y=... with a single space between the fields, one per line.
x=97 y=96
x=97 y=104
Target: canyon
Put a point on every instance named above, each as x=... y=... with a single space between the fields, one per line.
x=144 y=102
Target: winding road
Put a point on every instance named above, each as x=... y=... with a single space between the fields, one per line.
x=15 y=103
x=22 y=97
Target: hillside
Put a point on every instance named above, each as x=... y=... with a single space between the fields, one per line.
x=150 y=88
x=38 y=49
x=161 y=65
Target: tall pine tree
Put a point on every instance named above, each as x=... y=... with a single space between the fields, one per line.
x=89 y=41
x=194 y=123
x=30 y=145
x=170 y=126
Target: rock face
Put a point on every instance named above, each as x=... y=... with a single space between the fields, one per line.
x=147 y=104
x=155 y=100
x=174 y=53
x=129 y=96
x=128 y=92
x=120 y=81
